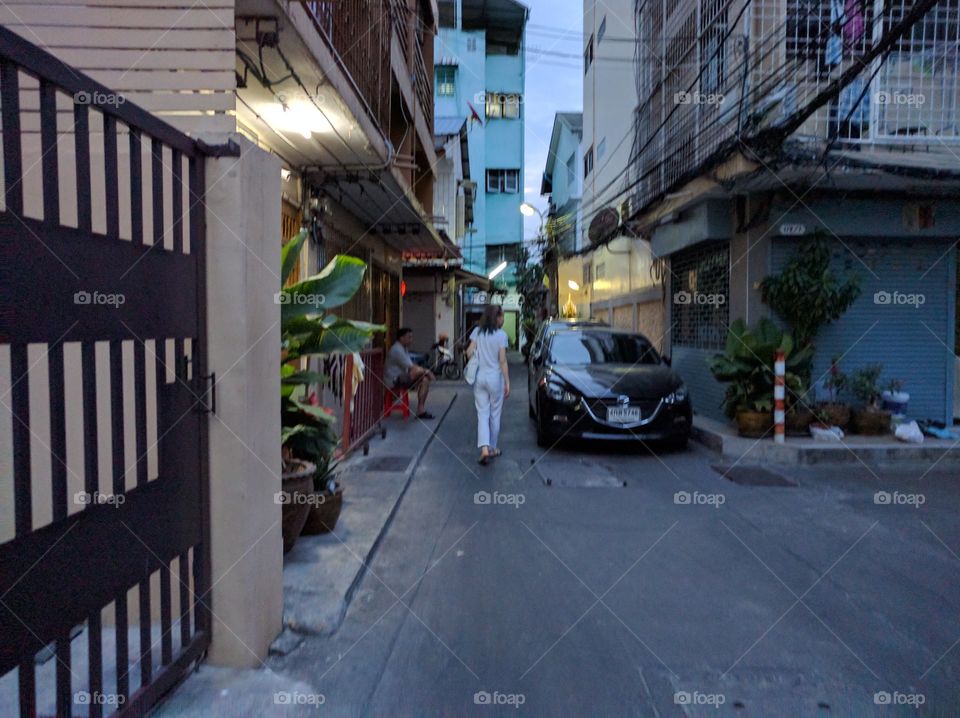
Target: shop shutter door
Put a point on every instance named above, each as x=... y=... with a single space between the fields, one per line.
x=913 y=341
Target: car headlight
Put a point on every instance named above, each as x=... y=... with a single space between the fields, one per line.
x=558 y=393
x=676 y=396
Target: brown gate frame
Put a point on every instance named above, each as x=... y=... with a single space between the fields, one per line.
x=61 y=575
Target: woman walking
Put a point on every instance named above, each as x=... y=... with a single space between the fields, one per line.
x=489 y=342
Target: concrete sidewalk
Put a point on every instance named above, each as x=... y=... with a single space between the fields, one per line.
x=321 y=573
x=722 y=438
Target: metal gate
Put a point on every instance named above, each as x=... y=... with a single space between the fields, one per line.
x=104 y=561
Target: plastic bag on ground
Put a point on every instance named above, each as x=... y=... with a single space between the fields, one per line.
x=909 y=432
x=831 y=433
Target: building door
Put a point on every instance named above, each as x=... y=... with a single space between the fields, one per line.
x=419 y=314
x=901 y=320
x=510 y=324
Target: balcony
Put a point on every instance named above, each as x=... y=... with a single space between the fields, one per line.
x=730 y=71
x=366 y=56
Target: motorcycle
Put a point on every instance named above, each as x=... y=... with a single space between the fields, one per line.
x=444 y=364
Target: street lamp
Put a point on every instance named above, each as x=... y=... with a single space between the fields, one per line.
x=549 y=256
x=496 y=270
x=528 y=210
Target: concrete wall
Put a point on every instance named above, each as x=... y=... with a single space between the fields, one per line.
x=175 y=60
x=609 y=99
x=504 y=150
x=243 y=260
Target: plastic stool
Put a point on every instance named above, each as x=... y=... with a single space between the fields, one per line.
x=391 y=403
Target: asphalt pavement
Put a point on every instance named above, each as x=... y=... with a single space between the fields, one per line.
x=645 y=583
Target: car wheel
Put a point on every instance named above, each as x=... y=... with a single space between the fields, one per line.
x=544 y=436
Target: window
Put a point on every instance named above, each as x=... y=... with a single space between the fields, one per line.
x=446 y=80
x=701 y=287
x=447 y=12
x=588 y=55
x=601 y=347
x=502 y=104
x=808 y=29
x=587 y=274
x=572 y=169
x=503 y=181
x=471 y=44
x=497 y=253
x=603 y=29
x=588 y=162
x=602 y=148
x=713 y=15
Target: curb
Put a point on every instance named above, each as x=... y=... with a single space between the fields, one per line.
x=767 y=452
x=410 y=470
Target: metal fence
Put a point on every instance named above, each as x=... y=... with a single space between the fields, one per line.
x=363 y=401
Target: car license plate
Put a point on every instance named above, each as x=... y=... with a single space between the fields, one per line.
x=623 y=414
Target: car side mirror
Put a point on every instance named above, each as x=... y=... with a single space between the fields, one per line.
x=667 y=360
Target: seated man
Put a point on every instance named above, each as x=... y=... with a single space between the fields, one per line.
x=400 y=373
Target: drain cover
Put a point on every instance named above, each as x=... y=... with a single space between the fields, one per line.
x=397 y=464
x=752 y=476
x=577 y=474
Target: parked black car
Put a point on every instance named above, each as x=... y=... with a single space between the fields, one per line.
x=551 y=325
x=601 y=383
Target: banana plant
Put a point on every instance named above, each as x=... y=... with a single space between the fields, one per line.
x=747 y=365
x=309 y=329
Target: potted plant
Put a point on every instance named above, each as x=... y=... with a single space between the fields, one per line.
x=310 y=330
x=807 y=294
x=798 y=418
x=747 y=365
x=895 y=400
x=869 y=419
x=834 y=412
x=328 y=499
x=294 y=495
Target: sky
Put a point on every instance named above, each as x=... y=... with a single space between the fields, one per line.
x=554 y=83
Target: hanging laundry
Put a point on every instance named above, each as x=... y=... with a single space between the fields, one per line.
x=834 y=49
x=859 y=114
x=853 y=23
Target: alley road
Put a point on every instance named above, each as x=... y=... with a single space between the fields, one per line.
x=681 y=593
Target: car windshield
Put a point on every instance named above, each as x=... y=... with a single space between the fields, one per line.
x=601 y=348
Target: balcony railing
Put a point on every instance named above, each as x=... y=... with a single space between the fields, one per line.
x=359 y=32
x=713 y=71
x=423 y=84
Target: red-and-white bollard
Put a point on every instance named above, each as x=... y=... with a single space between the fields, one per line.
x=779 y=395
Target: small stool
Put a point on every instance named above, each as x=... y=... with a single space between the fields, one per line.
x=391 y=403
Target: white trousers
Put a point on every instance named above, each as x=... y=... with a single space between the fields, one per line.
x=488 y=397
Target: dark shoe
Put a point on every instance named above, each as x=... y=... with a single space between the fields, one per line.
x=426 y=415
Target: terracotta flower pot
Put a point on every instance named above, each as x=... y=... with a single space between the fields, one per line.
x=797 y=421
x=324 y=512
x=296 y=486
x=835 y=414
x=870 y=422
x=753 y=424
